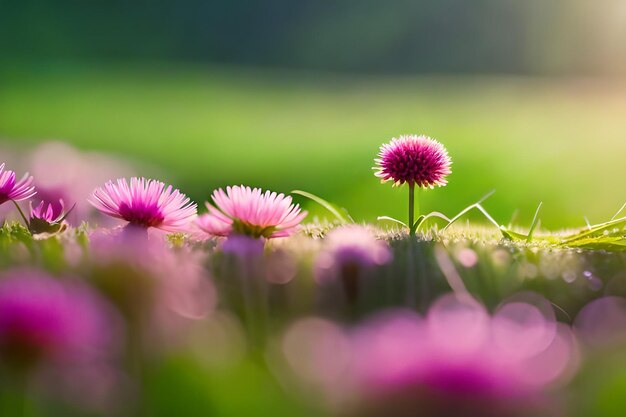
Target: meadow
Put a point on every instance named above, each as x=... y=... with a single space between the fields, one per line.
x=560 y=141
x=256 y=308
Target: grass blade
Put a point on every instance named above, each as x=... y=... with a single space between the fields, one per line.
x=328 y=206
x=533 y=225
x=391 y=219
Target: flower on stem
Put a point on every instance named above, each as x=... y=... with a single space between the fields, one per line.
x=48 y=217
x=12 y=189
x=419 y=161
x=251 y=212
x=412 y=159
x=145 y=203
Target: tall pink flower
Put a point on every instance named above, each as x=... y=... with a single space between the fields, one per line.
x=145 y=203
x=10 y=189
x=419 y=161
x=252 y=212
x=413 y=159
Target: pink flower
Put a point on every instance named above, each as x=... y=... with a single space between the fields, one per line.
x=460 y=359
x=145 y=203
x=47 y=217
x=214 y=225
x=10 y=189
x=416 y=160
x=457 y=360
x=44 y=320
x=252 y=212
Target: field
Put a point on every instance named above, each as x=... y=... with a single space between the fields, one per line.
x=560 y=141
x=259 y=310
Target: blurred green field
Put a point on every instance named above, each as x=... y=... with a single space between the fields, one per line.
x=559 y=141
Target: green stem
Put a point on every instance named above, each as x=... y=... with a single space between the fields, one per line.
x=411 y=209
x=21 y=214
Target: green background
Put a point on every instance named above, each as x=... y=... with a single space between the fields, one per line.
x=560 y=141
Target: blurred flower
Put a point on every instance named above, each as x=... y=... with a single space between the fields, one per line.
x=347 y=252
x=416 y=160
x=63 y=172
x=47 y=217
x=243 y=246
x=458 y=360
x=145 y=203
x=157 y=288
x=242 y=210
x=47 y=321
x=602 y=322
x=10 y=189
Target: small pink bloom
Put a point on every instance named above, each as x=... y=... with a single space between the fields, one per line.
x=47 y=217
x=252 y=212
x=145 y=203
x=413 y=159
x=10 y=189
x=49 y=212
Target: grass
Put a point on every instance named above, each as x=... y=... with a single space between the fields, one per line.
x=560 y=142
x=250 y=382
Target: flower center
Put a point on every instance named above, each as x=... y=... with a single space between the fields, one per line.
x=145 y=216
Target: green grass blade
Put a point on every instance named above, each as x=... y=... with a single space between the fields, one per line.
x=433 y=214
x=328 y=206
x=476 y=205
x=391 y=219
x=596 y=229
x=533 y=225
x=619 y=211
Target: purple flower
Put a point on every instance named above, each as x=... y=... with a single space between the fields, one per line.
x=46 y=321
x=145 y=203
x=457 y=360
x=416 y=160
x=47 y=217
x=10 y=189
